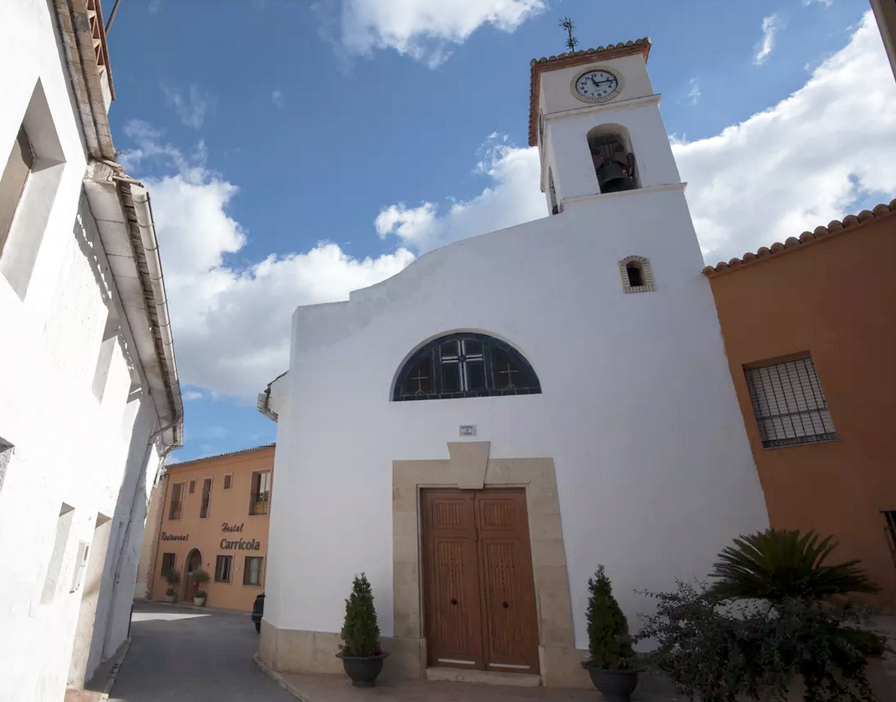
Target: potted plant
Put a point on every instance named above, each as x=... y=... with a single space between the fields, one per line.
x=199 y=596
x=172 y=577
x=361 y=655
x=611 y=663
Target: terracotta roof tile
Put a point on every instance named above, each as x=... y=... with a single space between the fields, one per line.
x=793 y=243
x=576 y=58
x=218 y=455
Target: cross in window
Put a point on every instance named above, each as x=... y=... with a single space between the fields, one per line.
x=420 y=378
x=509 y=373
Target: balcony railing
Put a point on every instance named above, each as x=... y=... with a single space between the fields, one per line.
x=259 y=502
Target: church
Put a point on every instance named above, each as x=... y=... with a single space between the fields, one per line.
x=480 y=431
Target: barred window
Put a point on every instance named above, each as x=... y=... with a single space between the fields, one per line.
x=789 y=404
x=465 y=365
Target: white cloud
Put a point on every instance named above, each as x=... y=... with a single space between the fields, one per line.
x=191 y=395
x=232 y=325
x=153 y=6
x=694 y=92
x=422 y=29
x=801 y=163
x=826 y=3
x=190 y=105
x=770 y=27
x=278 y=98
x=511 y=197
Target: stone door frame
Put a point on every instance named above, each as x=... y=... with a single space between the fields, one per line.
x=470 y=468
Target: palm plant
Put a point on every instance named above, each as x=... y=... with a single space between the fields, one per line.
x=781 y=564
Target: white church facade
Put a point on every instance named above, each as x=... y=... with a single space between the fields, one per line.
x=480 y=431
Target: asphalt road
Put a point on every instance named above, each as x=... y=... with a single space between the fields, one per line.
x=184 y=655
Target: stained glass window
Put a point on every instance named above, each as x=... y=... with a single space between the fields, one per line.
x=465 y=365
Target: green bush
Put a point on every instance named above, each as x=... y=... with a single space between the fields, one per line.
x=608 y=640
x=172 y=577
x=360 y=632
x=721 y=651
x=199 y=576
x=777 y=565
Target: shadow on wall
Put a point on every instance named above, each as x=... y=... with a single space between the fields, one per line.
x=107 y=595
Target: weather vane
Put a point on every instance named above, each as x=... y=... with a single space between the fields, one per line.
x=569 y=25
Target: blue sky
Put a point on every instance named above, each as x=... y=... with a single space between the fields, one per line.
x=296 y=151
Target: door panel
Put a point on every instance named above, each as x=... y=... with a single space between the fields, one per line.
x=451 y=577
x=479 y=591
x=508 y=588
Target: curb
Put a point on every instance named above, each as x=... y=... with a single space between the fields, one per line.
x=280 y=680
x=203 y=608
x=113 y=674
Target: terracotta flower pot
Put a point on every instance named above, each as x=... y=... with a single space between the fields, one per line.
x=363 y=670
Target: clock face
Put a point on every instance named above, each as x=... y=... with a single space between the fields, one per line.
x=596 y=85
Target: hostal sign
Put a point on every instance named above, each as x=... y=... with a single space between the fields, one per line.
x=240 y=544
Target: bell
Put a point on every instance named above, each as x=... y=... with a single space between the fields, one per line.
x=612 y=178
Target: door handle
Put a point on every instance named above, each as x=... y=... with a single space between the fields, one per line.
x=505 y=605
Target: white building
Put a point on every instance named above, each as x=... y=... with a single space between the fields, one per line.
x=89 y=397
x=482 y=430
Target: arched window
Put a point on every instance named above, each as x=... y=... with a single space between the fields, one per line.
x=465 y=365
x=636 y=275
x=613 y=159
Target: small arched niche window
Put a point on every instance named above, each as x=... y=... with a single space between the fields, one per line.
x=636 y=275
x=465 y=365
x=613 y=159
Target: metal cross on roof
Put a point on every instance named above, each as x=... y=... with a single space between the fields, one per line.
x=569 y=26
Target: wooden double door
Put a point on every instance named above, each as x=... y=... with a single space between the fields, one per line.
x=479 y=591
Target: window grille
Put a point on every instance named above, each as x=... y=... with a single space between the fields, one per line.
x=223 y=568
x=253 y=572
x=465 y=365
x=789 y=404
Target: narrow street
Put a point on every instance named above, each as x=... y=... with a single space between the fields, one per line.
x=179 y=654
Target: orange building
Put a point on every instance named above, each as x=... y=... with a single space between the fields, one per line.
x=810 y=332
x=214 y=517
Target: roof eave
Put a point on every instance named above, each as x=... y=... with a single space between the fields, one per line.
x=805 y=239
x=121 y=209
x=73 y=24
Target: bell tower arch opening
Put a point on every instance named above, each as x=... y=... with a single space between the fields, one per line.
x=613 y=158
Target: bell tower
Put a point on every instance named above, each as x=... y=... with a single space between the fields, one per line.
x=596 y=121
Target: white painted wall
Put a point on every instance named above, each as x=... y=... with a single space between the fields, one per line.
x=638 y=410
x=68 y=446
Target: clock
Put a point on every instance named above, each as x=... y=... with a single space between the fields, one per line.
x=596 y=85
